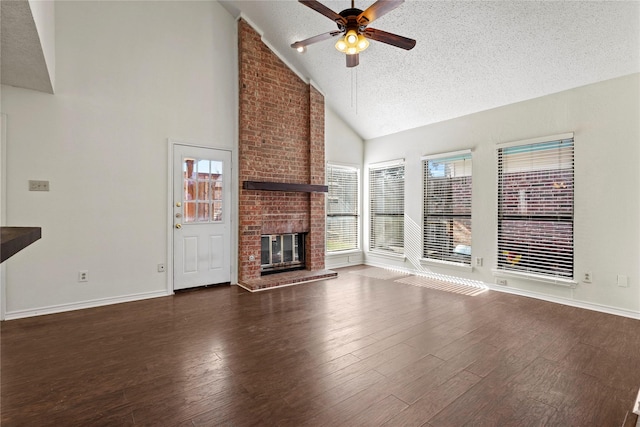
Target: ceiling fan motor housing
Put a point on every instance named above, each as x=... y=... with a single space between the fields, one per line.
x=351 y=15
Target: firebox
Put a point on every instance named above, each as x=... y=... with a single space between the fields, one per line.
x=282 y=252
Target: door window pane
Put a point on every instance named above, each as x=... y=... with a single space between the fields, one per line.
x=203 y=212
x=203 y=191
x=190 y=212
x=203 y=184
x=204 y=168
x=216 y=215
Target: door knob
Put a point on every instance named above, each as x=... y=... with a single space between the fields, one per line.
x=178 y=226
x=178 y=204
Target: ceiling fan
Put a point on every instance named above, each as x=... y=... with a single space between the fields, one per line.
x=352 y=26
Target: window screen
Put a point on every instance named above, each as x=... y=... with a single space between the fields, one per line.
x=386 y=208
x=447 y=208
x=342 y=208
x=535 y=208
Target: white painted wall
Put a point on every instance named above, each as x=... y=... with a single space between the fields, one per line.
x=129 y=75
x=604 y=118
x=43 y=12
x=343 y=146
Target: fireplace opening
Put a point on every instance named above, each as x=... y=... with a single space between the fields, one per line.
x=282 y=252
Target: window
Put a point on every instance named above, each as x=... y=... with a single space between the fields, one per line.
x=386 y=207
x=535 y=208
x=203 y=185
x=342 y=208
x=447 y=207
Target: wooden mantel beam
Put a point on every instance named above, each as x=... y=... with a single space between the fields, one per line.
x=284 y=186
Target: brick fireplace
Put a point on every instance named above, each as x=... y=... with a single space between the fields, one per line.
x=281 y=142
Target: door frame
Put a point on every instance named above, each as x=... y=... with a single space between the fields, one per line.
x=3 y=208
x=233 y=238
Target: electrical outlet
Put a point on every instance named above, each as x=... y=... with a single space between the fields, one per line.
x=587 y=277
x=161 y=268
x=478 y=262
x=83 y=276
x=38 y=185
x=501 y=282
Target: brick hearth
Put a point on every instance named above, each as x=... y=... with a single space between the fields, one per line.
x=281 y=139
x=287 y=278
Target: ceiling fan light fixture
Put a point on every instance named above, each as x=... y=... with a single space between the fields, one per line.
x=352 y=43
x=363 y=43
x=301 y=49
x=351 y=37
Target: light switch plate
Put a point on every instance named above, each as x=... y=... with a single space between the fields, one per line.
x=623 y=281
x=38 y=185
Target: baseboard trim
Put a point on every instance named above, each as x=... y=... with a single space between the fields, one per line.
x=60 y=308
x=566 y=301
x=558 y=300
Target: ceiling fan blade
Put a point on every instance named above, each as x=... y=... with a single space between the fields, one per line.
x=376 y=10
x=353 y=60
x=389 y=38
x=315 y=39
x=319 y=7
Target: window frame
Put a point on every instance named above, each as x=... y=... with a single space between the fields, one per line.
x=534 y=273
x=399 y=238
x=357 y=215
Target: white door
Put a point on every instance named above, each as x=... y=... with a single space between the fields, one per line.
x=201 y=216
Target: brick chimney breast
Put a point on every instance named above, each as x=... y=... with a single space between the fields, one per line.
x=281 y=139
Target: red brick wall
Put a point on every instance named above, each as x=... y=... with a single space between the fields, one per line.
x=281 y=139
x=315 y=240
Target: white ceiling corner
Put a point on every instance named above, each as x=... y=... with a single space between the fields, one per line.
x=22 y=61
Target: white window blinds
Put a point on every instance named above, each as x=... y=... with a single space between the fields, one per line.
x=342 y=208
x=447 y=208
x=386 y=209
x=535 y=208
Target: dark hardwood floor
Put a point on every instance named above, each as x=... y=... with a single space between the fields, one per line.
x=354 y=351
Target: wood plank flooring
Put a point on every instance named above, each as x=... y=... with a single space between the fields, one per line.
x=360 y=350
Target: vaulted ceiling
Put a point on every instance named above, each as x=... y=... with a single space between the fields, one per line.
x=22 y=61
x=470 y=55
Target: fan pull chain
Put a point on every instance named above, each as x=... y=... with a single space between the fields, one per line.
x=352 y=70
x=354 y=89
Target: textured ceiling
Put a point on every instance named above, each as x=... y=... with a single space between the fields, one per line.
x=22 y=63
x=470 y=56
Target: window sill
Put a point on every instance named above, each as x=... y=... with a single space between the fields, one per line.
x=535 y=277
x=345 y=252
x=446 y=264
x=389 y=255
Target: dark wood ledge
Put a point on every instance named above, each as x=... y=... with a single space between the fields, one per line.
x=631 y=420
x=284 y=186
x=14 y=239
